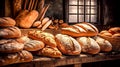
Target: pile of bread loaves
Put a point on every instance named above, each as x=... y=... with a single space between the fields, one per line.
x=73 y=39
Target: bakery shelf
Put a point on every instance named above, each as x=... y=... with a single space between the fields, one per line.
x=74 y=61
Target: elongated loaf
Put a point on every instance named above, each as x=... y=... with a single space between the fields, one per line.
x=19 y=57
x=68 y=45
x=10 y=46
x=10 y=32
x=47 y=38
x=80 y=29
x=26 y=18
x=49 y=52
x=89 y=45
x=7 y=21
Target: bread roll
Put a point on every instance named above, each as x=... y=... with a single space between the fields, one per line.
x=68 y=45
x=89 y=45
x=26 y=18
x=10 y=32
x=47 y=38
x=49 y=52
x=19 y=57
x=34 y=45
x=105 y=45
x=114 y=30
x=80 y=29
x=10 y=46
x=36 y=24
x=116 y=35
x=6 y=22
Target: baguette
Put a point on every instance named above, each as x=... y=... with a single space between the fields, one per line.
x=46 y=25
x=19 y=57
x=80 y=29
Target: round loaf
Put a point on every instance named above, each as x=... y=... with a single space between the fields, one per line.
x=68 y=45
x=89 y=45
x=10 y=46
x=105 y=45
x=6 y=22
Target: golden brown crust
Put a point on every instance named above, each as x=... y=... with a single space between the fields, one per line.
x=68 y=45
x=34 y=45
x=10 y=32
x=19 y=57
x=6 y=22
x=10 y=46
x=81 y=29
x=114 y=30
x=47 y=38
x=26 y=21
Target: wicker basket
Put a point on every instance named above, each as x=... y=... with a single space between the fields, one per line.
x=115 y=41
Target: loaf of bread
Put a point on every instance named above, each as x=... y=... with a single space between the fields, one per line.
x=89 y=45
x=104 y=44
x=6 y=22
x=26 y=18
x=34 y=45
x=68 y=45
x=47 y=38
x=10 y=46
x=114 y=30
x=10 y=32
x=49 y=52
x=19 y=57
x=80 y=29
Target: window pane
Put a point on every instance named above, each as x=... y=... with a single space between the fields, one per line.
x=93 y=10
x=72 y=2
x=81 y=18
x=81 y=10
x=81 y=2
x=72 y=9
x=93 y=2
x=93 y=18
x=72 y=18
x=87 y=18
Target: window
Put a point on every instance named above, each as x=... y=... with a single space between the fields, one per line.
x=82 y=11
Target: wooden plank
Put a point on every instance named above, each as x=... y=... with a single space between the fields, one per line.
x=77 y=65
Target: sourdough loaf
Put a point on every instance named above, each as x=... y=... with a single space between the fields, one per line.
x=19 y=57
x=89 y=45
x=10 y=32
x=7 y=21
x=80 y=29
x=68 y=45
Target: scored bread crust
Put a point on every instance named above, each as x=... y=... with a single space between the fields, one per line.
x=81 y=29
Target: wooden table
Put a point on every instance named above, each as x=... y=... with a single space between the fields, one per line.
x=74 y=61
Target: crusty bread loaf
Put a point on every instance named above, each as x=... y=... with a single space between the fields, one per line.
x=105 y=45
x=80 y=29
x=89 y=45
x=34 y=45
x=68 y=45
x=47 y=38
x=7 y=21
x=114 y=30
x=37 y=24
x=10 y=46
x=49 y=52
x=10 y=32
x=105 y=33
x=19 y=57
x=26 y=18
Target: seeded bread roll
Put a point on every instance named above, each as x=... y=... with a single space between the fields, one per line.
x=80 y=29
x=6 y=22
x=19 y=57
x=68 y=45
x=89 y=45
